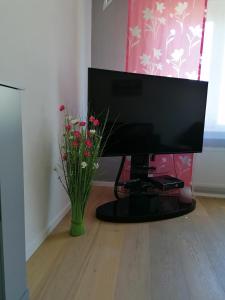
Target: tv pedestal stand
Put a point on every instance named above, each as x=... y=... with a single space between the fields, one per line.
x=142 y=206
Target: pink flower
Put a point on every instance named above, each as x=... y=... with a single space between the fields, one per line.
x=87 y=154
x=82 y=123
x=61 y=107
x=75 y=144
x=64 y=157
x=68 y=127
x=96 y=122
x=88 y=143
x=91 y=119
x=77 y=134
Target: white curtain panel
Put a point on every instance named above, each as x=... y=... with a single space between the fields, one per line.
x=213 y=70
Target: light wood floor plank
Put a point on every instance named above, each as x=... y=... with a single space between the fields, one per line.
x=135 y=283
x=177 y=259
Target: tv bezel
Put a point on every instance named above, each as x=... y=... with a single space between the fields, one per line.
x=111 y=154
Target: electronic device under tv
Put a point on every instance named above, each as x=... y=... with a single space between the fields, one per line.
x=149 y=115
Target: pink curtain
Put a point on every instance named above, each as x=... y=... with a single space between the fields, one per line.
x=166 y=38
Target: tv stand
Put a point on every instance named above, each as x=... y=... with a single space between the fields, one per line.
x=143 y=205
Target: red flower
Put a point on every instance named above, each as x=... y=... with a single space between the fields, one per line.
x=68 y=127
x=64 y=157
x=88 y=133
x=88 y=143
x=75 y=144
x=61 y=107
x=77 y=134
x=87 y=154
x=82 y=123
x=96 y=122
x=91 y=119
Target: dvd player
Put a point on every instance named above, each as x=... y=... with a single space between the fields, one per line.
x=166 y=182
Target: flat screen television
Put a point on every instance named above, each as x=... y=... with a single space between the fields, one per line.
x=150 y=114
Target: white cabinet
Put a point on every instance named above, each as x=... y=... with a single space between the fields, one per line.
x=13 y=279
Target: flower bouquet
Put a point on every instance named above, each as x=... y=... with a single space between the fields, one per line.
x=80 y=150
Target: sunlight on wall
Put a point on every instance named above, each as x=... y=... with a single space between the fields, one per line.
x=221 y=108
x=207 y=53
x=213 y=66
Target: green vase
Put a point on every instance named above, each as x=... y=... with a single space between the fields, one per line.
x=77 y=228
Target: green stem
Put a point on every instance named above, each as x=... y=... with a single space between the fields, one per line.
x=77 y=221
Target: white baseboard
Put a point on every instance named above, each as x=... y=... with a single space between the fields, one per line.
x=211 y=195
x=211 y=190
x=39 y=239
x=103 y=183
x=25 y=295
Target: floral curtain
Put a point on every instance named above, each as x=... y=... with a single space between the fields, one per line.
x=166 y=38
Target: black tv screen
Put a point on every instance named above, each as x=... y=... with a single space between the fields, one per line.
x=149 y=114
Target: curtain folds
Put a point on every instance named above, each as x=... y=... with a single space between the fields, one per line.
x=166 y=38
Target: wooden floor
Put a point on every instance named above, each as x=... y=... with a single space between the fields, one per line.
x=182 y=258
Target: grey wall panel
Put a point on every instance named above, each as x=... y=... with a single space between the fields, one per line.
x=109 y=31
x=109 y=38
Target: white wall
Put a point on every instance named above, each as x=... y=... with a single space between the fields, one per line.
x=209 y=166
x=209 y=171
x=45 y=48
